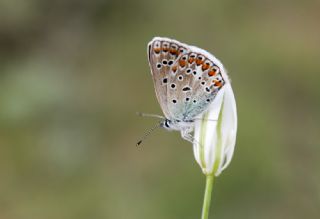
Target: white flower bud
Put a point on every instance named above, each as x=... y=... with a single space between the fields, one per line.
x=215 y=133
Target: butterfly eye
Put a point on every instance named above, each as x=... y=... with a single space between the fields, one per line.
x=180 y=78
x=194 y=72
x=159 y=66
x=208 y=100
x=173 y=85
x=174 y=101
x=170 y=62
x=187 y=99
x=194 y=101
x=208 y=89
x=192 y=55
x=203 y=82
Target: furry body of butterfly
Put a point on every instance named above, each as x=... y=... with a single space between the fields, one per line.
x=186 y=80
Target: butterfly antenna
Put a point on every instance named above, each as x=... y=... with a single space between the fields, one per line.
x=149 y=115
x=158 y=125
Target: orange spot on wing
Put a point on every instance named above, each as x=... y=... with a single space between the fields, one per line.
x=199 y=62
x=205 y=67
x=217 y=83
x=174 y=68
x=191 y=60
x=157 y=50
x=182 y=63
x=173 y=51
x=212 y=72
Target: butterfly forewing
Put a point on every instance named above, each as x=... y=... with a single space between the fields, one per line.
x=162 y=54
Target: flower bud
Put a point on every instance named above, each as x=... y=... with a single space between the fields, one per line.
x=215 y=133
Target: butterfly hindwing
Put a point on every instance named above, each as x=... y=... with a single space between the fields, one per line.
x=196 y=82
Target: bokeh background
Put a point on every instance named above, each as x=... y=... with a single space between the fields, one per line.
x=74 y=73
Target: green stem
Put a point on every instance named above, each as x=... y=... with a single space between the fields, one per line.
x=207 y=196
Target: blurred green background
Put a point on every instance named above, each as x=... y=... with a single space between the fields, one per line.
x=73 y=74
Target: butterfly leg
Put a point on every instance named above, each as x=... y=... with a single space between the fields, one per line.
x=185 y=134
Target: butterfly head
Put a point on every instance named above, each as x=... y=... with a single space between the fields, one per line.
x=166 y=124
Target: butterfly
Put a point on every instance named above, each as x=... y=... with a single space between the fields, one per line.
x=186 y=81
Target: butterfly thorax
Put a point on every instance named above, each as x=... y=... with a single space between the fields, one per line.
x=176 y=124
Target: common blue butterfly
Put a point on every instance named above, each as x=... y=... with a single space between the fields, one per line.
x=186 y=80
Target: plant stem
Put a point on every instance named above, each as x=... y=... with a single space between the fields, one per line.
x=207 y=196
